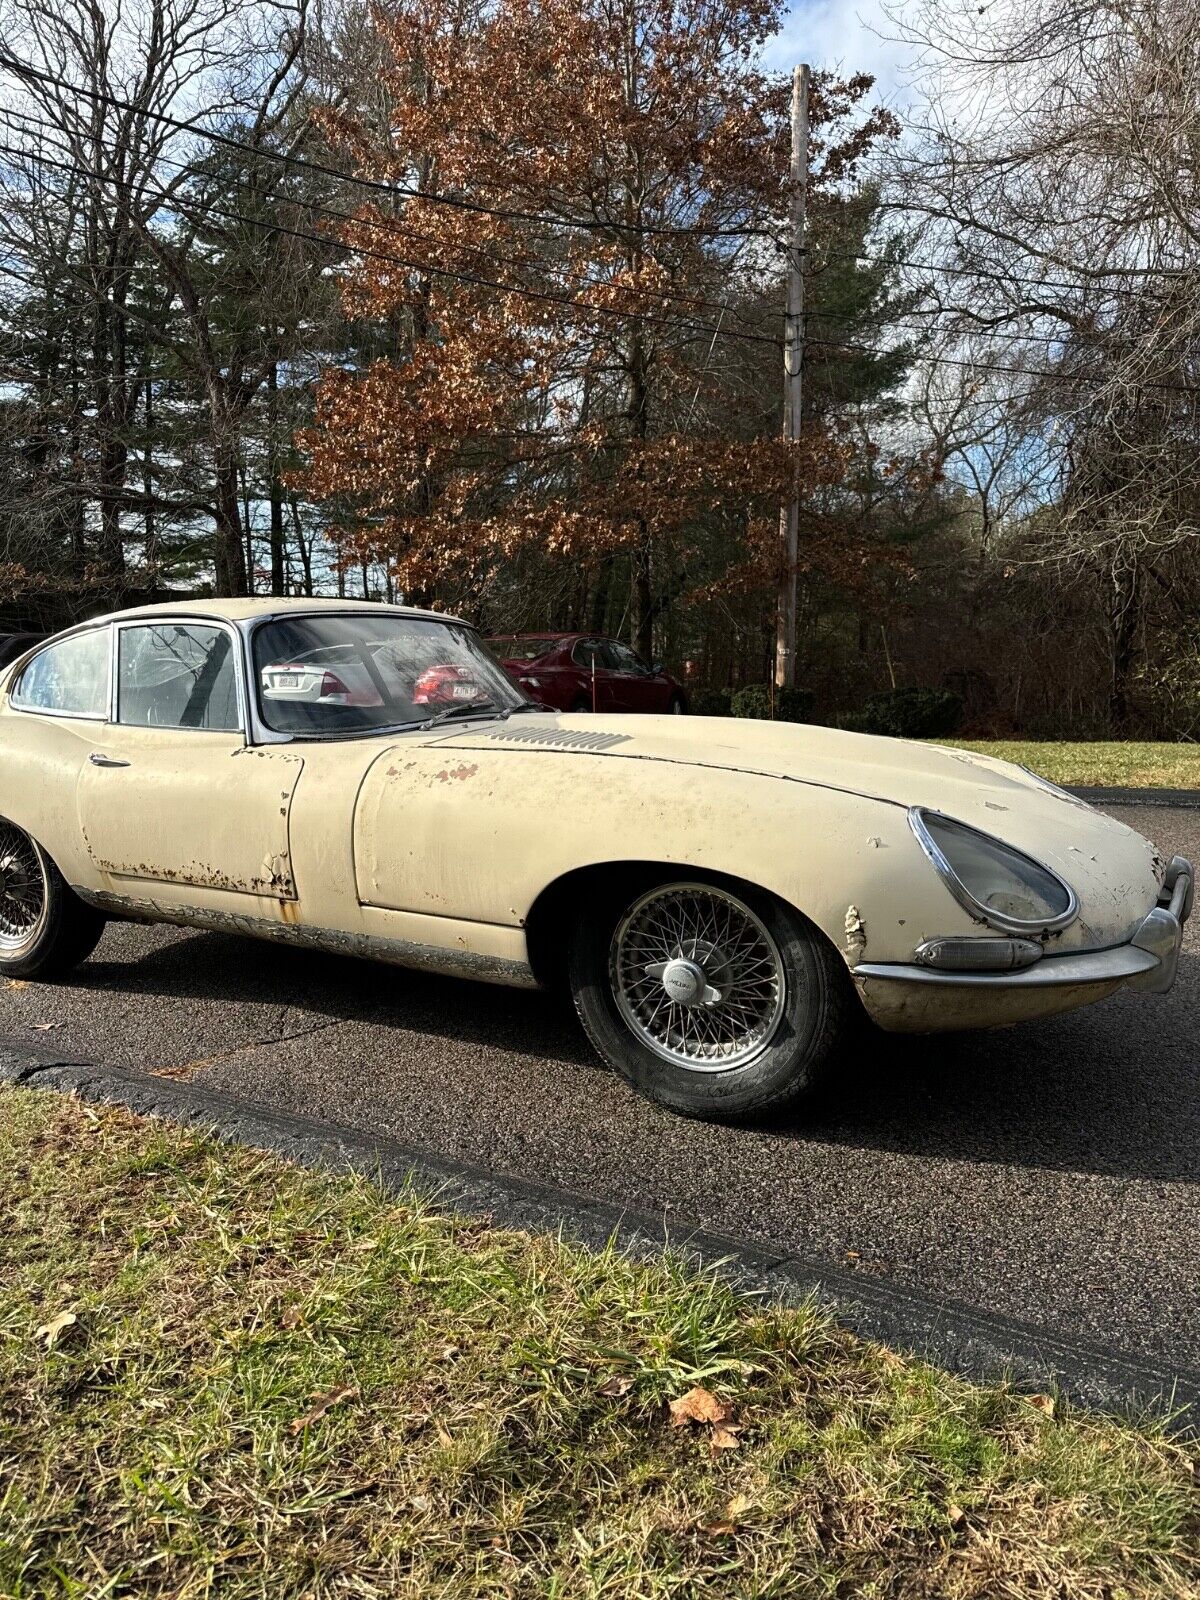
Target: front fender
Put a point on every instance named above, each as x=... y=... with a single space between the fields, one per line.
x=479 y=834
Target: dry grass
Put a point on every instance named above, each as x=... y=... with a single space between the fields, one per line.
x=496 y=1418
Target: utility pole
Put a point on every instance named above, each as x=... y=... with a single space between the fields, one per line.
x=793 y=364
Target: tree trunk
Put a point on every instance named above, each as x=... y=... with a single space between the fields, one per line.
x=641 y=597
x=1124 y=611
x=228 y=560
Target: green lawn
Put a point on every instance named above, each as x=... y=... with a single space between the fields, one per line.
x=1114 y=765
x=224 y=1375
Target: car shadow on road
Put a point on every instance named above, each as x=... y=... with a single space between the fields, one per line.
x=1113 y=1089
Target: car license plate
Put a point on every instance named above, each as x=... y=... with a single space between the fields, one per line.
x=287 y=680
x=463 y=691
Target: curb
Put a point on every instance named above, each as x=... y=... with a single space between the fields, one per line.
x=1172 y=799
x=951 y=1335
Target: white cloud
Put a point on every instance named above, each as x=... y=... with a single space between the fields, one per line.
x=848 y=35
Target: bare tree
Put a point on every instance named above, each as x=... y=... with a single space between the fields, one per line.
x=1056 y=183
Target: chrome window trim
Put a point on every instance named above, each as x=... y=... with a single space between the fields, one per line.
x=20 y=667
x=976 y=909
x=183 y=620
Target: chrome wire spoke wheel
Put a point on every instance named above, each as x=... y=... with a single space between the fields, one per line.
x=24 y=889
x=697 y=977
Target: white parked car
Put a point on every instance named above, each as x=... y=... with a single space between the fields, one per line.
x=721 y=897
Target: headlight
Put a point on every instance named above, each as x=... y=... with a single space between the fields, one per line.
x=995 y=883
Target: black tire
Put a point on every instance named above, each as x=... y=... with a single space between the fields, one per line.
x=581 y=705
x=677 y=706
x=61 y=930
x=792 y=1063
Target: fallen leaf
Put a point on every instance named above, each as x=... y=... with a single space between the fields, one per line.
x=17 y=983
x=738 y=1506
x=954 y=1515
x=420 y=1502
x=47 y=1027
x=323 y=1403
x=615 y=1388
x=450 y=1352
x=292 y=1317
x=723 y=1437
x=698 y=1405
x=1043 y=1402
x=719 y=1528
x=53 y=1330
x=445 y=1437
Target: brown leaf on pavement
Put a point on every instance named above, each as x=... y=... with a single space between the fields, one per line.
x=323 y=1403
x=699 y=1405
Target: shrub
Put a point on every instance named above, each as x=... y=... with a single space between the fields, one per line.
x=909 y=714
x=709 y=702
x=755 y=700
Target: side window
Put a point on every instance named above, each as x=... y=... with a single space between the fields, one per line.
x=69 y=678
x=626 y=660
x=177 y=675
x=588 y=652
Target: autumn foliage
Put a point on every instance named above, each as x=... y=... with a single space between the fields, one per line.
x=579 y=274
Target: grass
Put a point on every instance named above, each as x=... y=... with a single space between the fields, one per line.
x=287 y=1384
x=1113 y=765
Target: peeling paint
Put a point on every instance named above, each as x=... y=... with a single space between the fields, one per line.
x=371 y=947
x=856 y=934
x=458 y=774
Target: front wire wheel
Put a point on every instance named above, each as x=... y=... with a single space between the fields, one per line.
x=697 y=977
x=711 y=997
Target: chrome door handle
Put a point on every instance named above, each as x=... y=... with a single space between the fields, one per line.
x=99 y=760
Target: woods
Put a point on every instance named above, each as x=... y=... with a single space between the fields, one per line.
x=482 y=307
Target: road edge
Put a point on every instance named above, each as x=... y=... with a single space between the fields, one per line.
x=1172 y=799
x=949 y=1334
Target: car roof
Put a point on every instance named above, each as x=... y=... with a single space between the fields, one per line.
x=252 y=609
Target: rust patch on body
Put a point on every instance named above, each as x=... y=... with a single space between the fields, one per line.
x=459 y=774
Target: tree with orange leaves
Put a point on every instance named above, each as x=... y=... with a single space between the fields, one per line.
x=578 y=260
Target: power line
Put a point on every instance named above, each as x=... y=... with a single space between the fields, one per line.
x=494 y=257
x=903 y=321
x=26 y=71
x=425 y=268
x=603 y=313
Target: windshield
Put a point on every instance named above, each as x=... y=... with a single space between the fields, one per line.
x=356 y=673
x=521 y=649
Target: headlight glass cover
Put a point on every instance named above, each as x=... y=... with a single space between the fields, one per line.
x=996 y=883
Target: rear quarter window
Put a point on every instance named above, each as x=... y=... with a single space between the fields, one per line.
x=69 y=678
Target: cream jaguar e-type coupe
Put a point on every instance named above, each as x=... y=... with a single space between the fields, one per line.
x=719 y=896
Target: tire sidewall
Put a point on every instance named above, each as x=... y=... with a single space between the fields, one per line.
x=793 y=1062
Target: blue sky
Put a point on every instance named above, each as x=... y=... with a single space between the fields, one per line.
x=849 y=34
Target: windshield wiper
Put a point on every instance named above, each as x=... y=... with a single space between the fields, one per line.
x=478 y=708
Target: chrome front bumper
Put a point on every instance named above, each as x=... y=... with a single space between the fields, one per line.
x=1147 y=962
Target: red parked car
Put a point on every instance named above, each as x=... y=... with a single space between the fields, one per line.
x=584 y=672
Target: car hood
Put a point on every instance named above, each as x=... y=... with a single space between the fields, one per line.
x=902 y=771
x=994 y=796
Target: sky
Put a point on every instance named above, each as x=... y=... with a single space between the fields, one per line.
x=850 y=34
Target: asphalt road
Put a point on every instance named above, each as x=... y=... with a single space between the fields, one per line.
x=1049 y=1173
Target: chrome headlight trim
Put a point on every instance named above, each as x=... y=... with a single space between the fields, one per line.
x=976 y=908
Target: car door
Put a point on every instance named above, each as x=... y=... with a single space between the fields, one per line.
x=594 y=659
x=633 y=682
x=172 y=794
